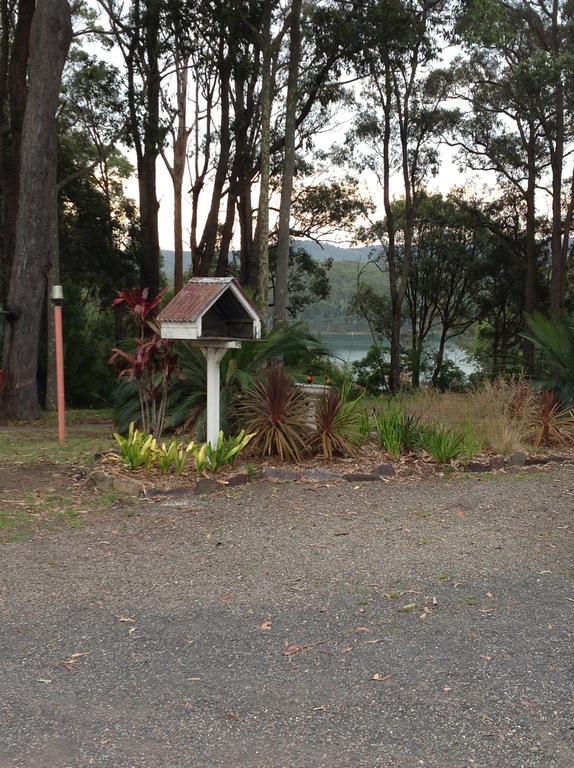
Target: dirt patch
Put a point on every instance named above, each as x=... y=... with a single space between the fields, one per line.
x=39 y=476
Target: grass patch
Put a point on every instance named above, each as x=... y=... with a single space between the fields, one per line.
x=33 y=443
x=14 y=524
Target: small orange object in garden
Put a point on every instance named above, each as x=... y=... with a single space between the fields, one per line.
x=310 y=378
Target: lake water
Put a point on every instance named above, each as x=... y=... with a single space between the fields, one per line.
x=351 y=347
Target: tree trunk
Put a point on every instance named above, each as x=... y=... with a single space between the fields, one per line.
x=13 y=106
x=395 y=371
x=50 y=38
x=149 y=206
x=558 y=278
x=531 y=261
x=208 y=242
x=178 y=172
x=261 y=244
x=439 y=356
x=226 y=235
x=282 y=276
x=395 y=364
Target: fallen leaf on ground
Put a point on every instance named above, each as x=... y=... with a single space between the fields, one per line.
x=43 y=680
x=125 y=619
x=408 y=607
x=291 y=650
x=363 y=629
x=265 y=626
x=380 y=678
x=71 y=662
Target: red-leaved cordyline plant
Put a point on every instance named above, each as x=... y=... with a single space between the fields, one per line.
x=152 y=364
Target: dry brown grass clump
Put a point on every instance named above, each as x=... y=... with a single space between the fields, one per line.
x=507 y=409
x=502 y=412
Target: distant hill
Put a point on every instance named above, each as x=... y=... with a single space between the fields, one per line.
x=317 y=252
x=323 y=251
x=169 y=262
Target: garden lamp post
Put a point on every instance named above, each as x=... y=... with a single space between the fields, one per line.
x=57 y=301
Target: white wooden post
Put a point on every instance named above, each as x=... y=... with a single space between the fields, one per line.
x=213 y=357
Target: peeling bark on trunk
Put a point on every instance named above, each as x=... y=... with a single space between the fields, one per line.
x=50 y=38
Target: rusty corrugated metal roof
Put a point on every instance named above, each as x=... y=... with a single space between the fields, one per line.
x=196 y=297
x=193 y=300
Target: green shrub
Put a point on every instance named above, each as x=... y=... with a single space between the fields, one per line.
x=137 y=448
x=337 y=422
x=397 y=431
x=554 y=343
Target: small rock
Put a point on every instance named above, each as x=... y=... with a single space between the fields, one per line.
x=173 y=493
x=360 y=477
x=384 y=470
x=281 y=475
x=101 y=480
x=128 y=486
x=316 y=474
x=206 y=485
x=241 y=479
x=517 y=459
x=538 y=461
x=497 y=462
x=476 y=466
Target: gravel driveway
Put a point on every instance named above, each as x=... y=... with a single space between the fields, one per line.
x=298 y=626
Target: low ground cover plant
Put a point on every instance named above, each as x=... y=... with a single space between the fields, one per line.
x=136 y=448
x=140 y=450
x=443 y=444
x=396 y=430
x=225 y=451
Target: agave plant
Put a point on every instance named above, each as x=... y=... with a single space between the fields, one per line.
x=338 y=423
x=553 y=422
x=554 y=342
x=277 y=412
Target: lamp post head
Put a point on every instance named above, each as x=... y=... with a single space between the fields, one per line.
x=57 y=295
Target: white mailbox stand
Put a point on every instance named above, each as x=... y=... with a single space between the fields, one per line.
x=214 y=314
x=213 y=356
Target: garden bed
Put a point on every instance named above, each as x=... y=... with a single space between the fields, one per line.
x=370 y=465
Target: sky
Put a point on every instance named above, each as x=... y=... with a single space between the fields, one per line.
x=448 y=177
